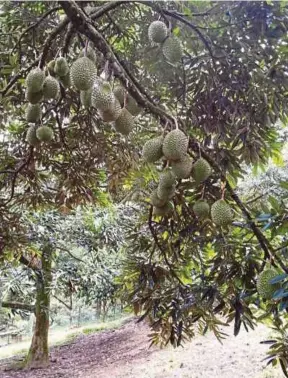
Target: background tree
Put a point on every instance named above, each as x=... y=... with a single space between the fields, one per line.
x=223 y=83
x=74 y=256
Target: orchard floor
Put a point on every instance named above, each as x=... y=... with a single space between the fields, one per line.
x=125 y=353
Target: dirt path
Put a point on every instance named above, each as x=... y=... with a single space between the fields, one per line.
x=124 y=353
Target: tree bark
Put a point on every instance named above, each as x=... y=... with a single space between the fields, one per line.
x=38 y=355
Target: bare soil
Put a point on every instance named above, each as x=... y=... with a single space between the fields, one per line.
x=125 y=353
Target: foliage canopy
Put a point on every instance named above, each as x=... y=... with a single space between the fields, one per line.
x=228 y=94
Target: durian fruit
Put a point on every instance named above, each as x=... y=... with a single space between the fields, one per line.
x=157 y=31
x=166 y=193
x=102 y=96
x=61 y=67
x=33 y=112
x=221 y=213
x=31 y=136
x=167 y=179
x=201 y=209
x=85 y=98
x=51 y=88
x=182 y=168
x=164 y=210
x=90 y=53
x=33 y=97
x=119 y=93
x=172 y=49
x=152 y=150
x=51 y=67
x=264 y=287
x=166 y=187
x=155 y=200
x=124 y=123
x=44 y=134
x=66 y=80
x=83 y=73
x=175 y=145
x=131 y=104
x=111 y=115
x=35 y=80
x=201 y=170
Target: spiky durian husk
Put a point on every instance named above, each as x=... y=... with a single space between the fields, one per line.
x=152 y=150
x=35 y=80
x=157 y=31
x=175 y=145
x=124 y=123
x=33 y=113
x=51 y=88
x=221 y=213
x=44 y=134
x=83 y=74
x=61 y=67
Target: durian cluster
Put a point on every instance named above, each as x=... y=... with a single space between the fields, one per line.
x=170 y=44
x=39 y=87
x=173 y=147
x=112 y=105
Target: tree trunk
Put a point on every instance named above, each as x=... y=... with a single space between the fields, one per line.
x=38 y=356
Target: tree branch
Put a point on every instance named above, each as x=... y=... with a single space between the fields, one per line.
x=18 y=170
x=18 y=306
x=64 y=304
x=264 y=243
x=85 y=26
x=161 y=249
x=42 y=18
x=18 y=76
x=29 y=263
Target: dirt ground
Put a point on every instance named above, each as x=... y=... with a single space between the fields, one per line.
x=124 y=353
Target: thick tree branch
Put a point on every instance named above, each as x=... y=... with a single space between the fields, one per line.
x=18 y=306
x=85 y=26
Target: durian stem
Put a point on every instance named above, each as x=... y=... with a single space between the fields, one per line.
x=125 y=99
x=176 y=123
x=39 y=63
x=203 y=192
x=223 y=185
x=199 y=150
x=86 y=47
x=58 y=52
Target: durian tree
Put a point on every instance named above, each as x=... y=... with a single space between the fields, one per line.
x=68 y=257
x=167 y=103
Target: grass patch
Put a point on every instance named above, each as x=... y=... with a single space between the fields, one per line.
x=104 y=326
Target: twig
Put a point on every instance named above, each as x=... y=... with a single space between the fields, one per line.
x=18 y=76
x=65 y=304
x=70 y=253
x=162 y=250
x=18 y=170
x=68 y=38
x=42 y=18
